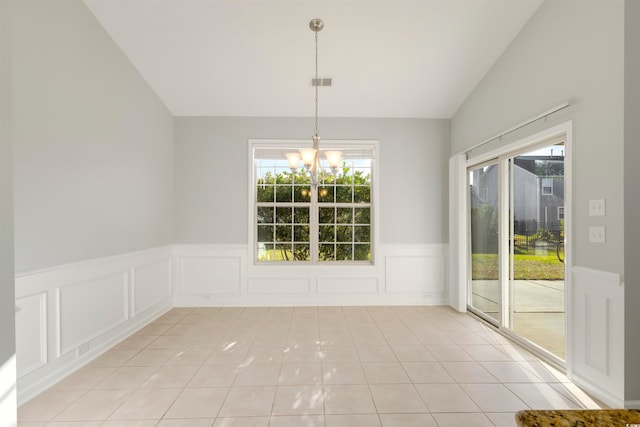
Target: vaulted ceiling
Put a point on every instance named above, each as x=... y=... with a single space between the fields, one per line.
x=388 y=58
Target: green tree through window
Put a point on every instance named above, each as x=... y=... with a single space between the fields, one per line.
x=295 y=223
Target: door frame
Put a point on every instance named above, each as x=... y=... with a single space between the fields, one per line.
x=501 y=155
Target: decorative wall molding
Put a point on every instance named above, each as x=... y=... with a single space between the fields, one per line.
x=283 y=286
x=352 y=285
x=225 y=275
x=597 y=344
x=150 y=283
x=71 y=314
x=415 y=274
x=31 y=332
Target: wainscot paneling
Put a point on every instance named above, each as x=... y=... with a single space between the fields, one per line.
x=418 y=274
x=209 y=274
x=347 y=285
x=597 y=344
x=88 y=309
x=225 y=275
x=70 y=314
x=31 y=332
x=151 y=284
x=293 y=285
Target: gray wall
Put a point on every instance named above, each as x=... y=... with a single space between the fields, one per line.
x=93 y=144
x=583 y=52
x=212 y=172
x=570 y=50
x=632 y=197
x=7 y=288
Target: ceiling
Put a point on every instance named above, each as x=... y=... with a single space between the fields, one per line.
x=388 y=58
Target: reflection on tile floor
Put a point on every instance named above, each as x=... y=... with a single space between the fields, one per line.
x=306 y=366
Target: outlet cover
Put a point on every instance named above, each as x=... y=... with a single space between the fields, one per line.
x=596 y=207
x=82 y=349
x=596 y=234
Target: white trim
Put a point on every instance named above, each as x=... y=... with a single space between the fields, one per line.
x=331 y=284
x=603 y=276
x=101 y=262
x=254 y=144
x=135 y=281
x=568 y=237
x=596 y=390
x=40 y=339
x=61 y=349
x=59 y=359
x=29 y=386
x=418 y=273
x=533 y=119
x=524 y=144
x=458 y=230
x=597 y=356
x=501 y=155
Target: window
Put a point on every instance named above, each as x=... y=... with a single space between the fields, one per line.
x=560 y=213
x=294 y=223
x=547 y=186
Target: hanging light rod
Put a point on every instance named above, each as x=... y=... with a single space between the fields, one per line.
x=311 y=156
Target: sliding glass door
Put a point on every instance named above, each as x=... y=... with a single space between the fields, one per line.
x=516 y=213
x=485 y=290
x=537 y=291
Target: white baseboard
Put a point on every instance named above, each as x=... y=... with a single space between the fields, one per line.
x=32 y=385
x=597 y=391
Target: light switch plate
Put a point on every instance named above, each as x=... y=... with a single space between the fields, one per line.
x=597 y=235
x=596 y=207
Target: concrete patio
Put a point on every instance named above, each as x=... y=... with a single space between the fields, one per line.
x=539 y=311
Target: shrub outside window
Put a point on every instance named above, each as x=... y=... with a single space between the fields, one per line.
x=295 y=223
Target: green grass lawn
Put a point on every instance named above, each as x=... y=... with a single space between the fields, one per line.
x=526 y=266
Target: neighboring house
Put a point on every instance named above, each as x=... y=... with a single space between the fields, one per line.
x=538 y=195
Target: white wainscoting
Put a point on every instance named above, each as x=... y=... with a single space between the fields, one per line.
x=224 y=275
x=88 y=309
x=31 y=316
x=70 y=314
x=597 y=344
x=151 y=283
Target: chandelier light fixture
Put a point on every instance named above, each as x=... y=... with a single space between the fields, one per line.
x=310 y=157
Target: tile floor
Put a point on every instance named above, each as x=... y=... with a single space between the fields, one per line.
x=306 y=367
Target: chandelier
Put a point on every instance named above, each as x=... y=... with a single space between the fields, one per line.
x=310 y=157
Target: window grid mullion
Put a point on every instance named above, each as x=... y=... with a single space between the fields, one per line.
x=314 y=206
x=314 y=226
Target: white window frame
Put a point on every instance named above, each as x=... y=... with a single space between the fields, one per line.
x=295 y=144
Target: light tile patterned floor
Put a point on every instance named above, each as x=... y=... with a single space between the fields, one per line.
x=306 y=367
